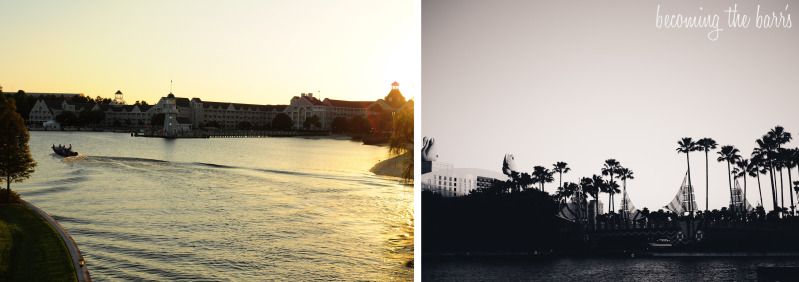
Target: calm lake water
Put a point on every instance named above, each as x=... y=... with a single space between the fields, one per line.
x=598 y=269
x=225 y=209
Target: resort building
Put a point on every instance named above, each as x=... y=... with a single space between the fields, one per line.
x=306 y=106
x=456 y=182
x=232 y=115
x=195 y=113
x=46 y=110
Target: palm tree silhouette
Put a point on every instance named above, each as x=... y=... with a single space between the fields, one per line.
x=762 y=152
x=566 y=192
x=525 y=180
x=742 y=166
x=687 y=145
x=561 y=168
x=706 y=144
x=794 y=156
x=786 y=159
x=624 y=174
x=542 y=175
x=779 y=136
x=610 y=167
x=730 y=155
x=755 y=171
x=592 y=188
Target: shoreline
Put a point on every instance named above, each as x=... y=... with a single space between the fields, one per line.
x=392 y=167
x=79 y=264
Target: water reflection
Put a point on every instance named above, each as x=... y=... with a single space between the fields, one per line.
x=226 y=209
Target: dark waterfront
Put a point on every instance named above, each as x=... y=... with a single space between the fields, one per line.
x=598 y=268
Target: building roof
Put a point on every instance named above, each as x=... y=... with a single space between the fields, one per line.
x=103 y=107
x=395 y=98
x=183 y=102
x=348 y=104
x=244 y=107
x=53 y=104
x=118 y=92
x=39 y=94
x=312 y=100
x=278 y=108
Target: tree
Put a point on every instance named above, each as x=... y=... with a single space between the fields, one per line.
x=624 y=174
x=311 y=122
x=16 y=162
x=755 y=171
x=707 y=144
x=795 y=159
x=157 y=120
x=542 y=175
x=591 y=186
x=609 y=168
x=339 y=125
x=84 y=117
x=359 y=125
x=560 y=168
x=778 y=136
x=401 y=139
x=571 y=190
x=66 y=118
x=687 y=145
x=786 y=157
x=762 y=152
x=282 y=122
x=96 y=117
x=730 y=155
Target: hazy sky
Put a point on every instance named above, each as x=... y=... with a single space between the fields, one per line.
x=584 y=81
x=240 y=51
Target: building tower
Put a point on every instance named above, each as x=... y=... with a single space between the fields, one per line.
x=394 y=97
x=118 y=100
x=170 y=116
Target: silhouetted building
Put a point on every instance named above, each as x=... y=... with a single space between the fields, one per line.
x=189 y=114
x=307 y=106
x=455 y=182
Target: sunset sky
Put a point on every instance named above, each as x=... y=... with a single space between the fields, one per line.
x=239 y=51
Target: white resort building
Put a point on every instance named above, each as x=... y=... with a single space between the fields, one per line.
x=456 y=182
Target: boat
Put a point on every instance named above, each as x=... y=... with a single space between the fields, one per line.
x=64 y=151
x=661 y=243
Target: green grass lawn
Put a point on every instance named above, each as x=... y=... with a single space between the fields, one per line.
x=30 y=250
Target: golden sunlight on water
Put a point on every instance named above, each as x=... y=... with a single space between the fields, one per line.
x=226 y=209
